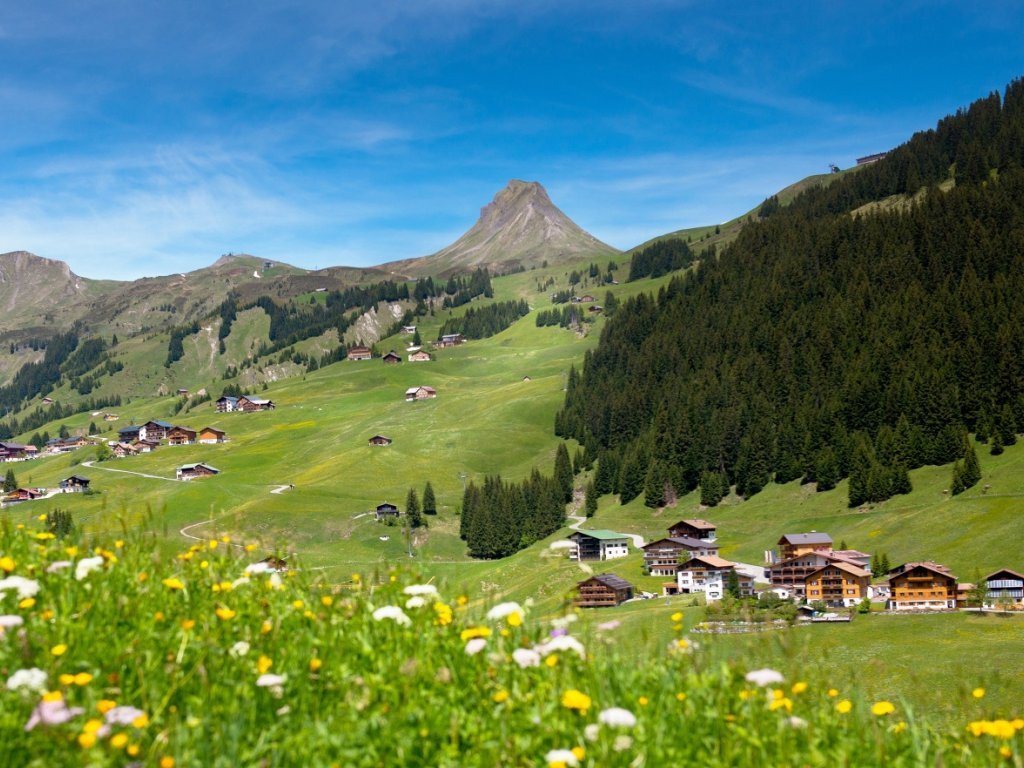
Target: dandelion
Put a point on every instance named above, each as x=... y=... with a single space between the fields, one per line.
x=899 y=727
x=420 y=590
x=643 y=701
x=105 y=705
x=526 y=657
x=844 y=707
x=561 y=758
x=241 y=648
x=59 y=650
x=781 y=702
x=978 y=693
x=799 y=688
x=551 y=661
x=763 y=677
x=475 y=632
x=833 y=692
x=576 y=700
x=676 y=617
x=7 y=564
x=326 y=601
x=617 y=717
x=32 y=679
x=475 y=645
x=500 y=697
x=394 y=613
x=25 y=588
x=174 y=583
x=28 y=602
x=881 y=708
x=118 y=740
x=443 y=613
x=225 y=614
x=81 y=679
x=315 y=664
x=167 y=761
x=187 y=624
x=681 y=696
x=263 y=664
x=87 y=565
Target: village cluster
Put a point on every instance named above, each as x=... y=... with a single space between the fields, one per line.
x=805 y=569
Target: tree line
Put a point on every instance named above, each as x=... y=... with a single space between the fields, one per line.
x=823 y=344
x=482 y=322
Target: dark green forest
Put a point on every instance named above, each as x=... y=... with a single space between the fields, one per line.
x=823 y=343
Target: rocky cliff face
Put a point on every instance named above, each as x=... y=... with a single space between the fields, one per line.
x=521 y=227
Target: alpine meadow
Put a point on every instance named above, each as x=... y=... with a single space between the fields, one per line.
x=748 y=493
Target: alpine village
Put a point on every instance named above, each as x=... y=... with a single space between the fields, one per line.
x=759 y=480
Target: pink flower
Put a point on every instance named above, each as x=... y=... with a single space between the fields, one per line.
x=49 y=713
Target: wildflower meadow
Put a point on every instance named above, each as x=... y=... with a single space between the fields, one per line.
x=115 y=653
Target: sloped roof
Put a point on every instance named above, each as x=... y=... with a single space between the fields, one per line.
x=198 y=464
x=843 y=565
x=602 y=534
x=159 y=423
x=1001 y=571
x=697 y=523
x=711 y=561
x=926 y=564
x=795 y=539
x=609 y=580
x=685 y=542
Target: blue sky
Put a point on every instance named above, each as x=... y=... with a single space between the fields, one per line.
x=143 y=138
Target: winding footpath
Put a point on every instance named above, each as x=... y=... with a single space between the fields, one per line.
x=92 y=465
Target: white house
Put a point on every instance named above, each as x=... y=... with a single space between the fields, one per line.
x=598 y=545
x=710 y=574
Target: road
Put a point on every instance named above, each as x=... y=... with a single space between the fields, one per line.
x=92 y=465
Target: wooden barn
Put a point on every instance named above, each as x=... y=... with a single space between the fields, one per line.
x=386 y=510
x=191 y=471
x=380 y=440
x=603 y=591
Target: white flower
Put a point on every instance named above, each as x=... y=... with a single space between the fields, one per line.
x=475 y=645
x=258 y=568
x=86 y=566
x=622 y=743
x=561 y=643
x=608 y=626
x=281 y=711
x=592 y=732
x=123 y=715
x=32 y=679
x=52 y=713
x=564 y=756
x=6 y=622
x=562 y=544
x=239 y=649
x=58 y=565
x=270 y=680
x=240 y=582
x=564 y=621
x=24 y=587
x=617 y=717
x=796 y=722
x=274 y=582
x=526 y=657
x=392 y=612
x=422 y=590
x=415 y=602
x=763 y=677
x=501 y=610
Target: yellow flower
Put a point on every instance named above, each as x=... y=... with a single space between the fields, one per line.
x=844 y=706
x=141 y=721
x=473 y=632
x=41 y=518
x=158 y=616
x=577 y=700
x=833 y=692
x=309 y=614
x=880 y=708
x=315 y=664
x=133 y=750
x=92 y=726
x=265 y=627
x=28 y=602
x=326 y=601
x=552 y=660
x=298 y=604
x=250 y=547
x=225 y=614
x=105 y=705
x=7 y=564
x=46 y=615
x=676 y=617
x=263 y=664
x=900 y=727
x=118 y=740
x=643 y=701
x=59 y=650
x=500 y=697
x=213 y=543
x=51 y=696
x=82 y=678
x=514 y=619
x=187 y=624
x=580 y=752
x=66 y=679
x=1005 y=751
x=204 y=564
x=799 y=687
x=167 y=761
x=978 y=693
x=462 y=600
x=682 y=643
x=45 y=535
x=87 y=740
x=444 y=614
x=143 y=577
x=681 y=696
x=781 y=703
x=174 y=583
x=71 y=551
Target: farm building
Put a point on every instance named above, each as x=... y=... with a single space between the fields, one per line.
x=380 y=440
x=74 y=484
x=419 y=356
x=360 y=353
x=247 y=403
x=420 y=393
x=386 y=510
x=211 y=435
x=181 y=436
x=598 y=545
x=391 y=358
x=603 y=591
x=191 y=471
x=695 y=529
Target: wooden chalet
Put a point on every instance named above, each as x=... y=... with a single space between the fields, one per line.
x=409 y=329
x=853 y=556
x=420 y=393
x=181 y=392
x=924 y=586
x=191 y=471
x=146 y=446
x=181 y=436
x=792 y=573
x=711 y=575
x=662 y=557
x=154 y=430
x=24 y=494
x=584 y=299
x=450 y=340
x=795 y=544
x=603 y=591
x=74 y=484
x=595 y=308
x=1005 y=587
x=360 y=353
x=839 y=585
x=385 y=510
x=694 y=528
x=419 y=356
x=132 y=432
x=226 y=404
x=598 y=545
x=211 y=435
x=12 y=451
x=247 y=404
x=121 y=450
x=391 y=358
x=380 y=440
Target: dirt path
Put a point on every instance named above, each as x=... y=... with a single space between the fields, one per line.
x=92 y=465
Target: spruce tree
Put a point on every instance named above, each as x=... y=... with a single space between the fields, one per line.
x=972 y=469
x=10 y=481
x=654 y=485
x=429 y=502
x=590 y=503
x=92 y=428
x=563 y=471
x=996 y=448
x=956 y=483
x=885 y=565
x=876 y=565
x=412 y=509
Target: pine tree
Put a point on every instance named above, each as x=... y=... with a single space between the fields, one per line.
x=412 y=509
x=996 y=448
x=956 y=483
x=712 y=488
x=654 y=485
x=972 y=469
x=92 y=428
x=885 y=565
x=429 y=502
x=10 y=481
x=732 y=584
x=563 y=471
x=876 y=565
x=590 y=503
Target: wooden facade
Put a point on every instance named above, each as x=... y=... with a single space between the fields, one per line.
x=420 y=393
x=386 y=510
x=796 y=544
x=599 y=545
x=838 y=584
x=226 y=404
x=419 y=357
x=360 y=353
x=181 y=436
x=191 y=471
x=695 y=529
x=211 y=435
x=603 y=591
x=391 y=358
x=248 y=404
x=74 y=484
x=921 y=587
x=380 y=440
x=662 y=557
x=792 y=573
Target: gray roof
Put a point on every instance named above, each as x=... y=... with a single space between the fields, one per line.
x=602 y=534
x=806 y=538
x=685 y=542
x=610 y=580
